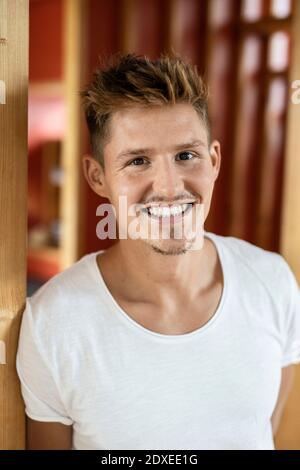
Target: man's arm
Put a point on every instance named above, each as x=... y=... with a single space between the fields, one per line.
x=287 y=379
x=48 y=436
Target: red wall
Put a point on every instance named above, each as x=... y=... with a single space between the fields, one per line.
x=45 y=40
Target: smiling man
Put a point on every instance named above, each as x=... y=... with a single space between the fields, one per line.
x=159 y=342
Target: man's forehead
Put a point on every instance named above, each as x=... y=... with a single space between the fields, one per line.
x=134 y=114
x=136 y=127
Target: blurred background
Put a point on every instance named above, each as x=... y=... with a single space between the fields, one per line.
x=246 y=51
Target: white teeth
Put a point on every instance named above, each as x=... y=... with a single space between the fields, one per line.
x=167 y=211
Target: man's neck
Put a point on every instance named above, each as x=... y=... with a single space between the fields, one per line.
x=159 y=278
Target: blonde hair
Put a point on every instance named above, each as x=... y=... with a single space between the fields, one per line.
x=135 y=80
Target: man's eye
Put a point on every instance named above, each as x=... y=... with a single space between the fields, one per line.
x=185 y=156
x=137 y=161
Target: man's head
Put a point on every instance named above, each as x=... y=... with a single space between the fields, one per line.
x=145 y=117
x=133 y=80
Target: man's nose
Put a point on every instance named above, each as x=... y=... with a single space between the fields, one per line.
x=167 y=180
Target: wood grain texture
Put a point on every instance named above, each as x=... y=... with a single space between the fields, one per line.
x=13 y=228
x=3 y=21
x=71 y=197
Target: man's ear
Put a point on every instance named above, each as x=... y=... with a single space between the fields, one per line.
x=94 y=174
x=215 y=155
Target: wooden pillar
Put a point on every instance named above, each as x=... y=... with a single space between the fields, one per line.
x=13 y=206
x=288 y=436
x=71 y=207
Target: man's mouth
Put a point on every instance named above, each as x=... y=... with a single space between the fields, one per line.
x=162 y=212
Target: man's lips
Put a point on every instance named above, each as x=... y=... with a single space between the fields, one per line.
x=173 y=213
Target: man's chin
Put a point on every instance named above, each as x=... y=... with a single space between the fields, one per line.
x=171 y=251
x=172 y=248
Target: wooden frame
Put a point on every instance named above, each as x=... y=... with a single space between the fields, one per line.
x=14 y=15
x=71 y=204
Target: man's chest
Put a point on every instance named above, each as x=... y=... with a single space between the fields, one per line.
x=177 y=317
x=146 y=396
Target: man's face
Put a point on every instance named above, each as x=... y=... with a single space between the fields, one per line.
x=158 y=157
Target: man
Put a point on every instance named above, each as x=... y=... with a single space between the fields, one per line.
x=159 y=342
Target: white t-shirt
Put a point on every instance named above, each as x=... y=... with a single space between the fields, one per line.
x=83 y=361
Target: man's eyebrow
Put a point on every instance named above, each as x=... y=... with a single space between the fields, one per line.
x=142 y=151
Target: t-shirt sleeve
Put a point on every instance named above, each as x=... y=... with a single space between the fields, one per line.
x=291 y=340
x=39 y=388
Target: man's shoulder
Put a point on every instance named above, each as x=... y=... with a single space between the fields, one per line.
x=67 y=310
x=246 y=249
x=64 y=294
x=65 y=279
x=264 y=264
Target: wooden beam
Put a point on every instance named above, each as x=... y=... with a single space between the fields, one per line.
x=3 y=21
x=13 y=202
x=266 y=26
x=71 y=206
x=129 y=31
